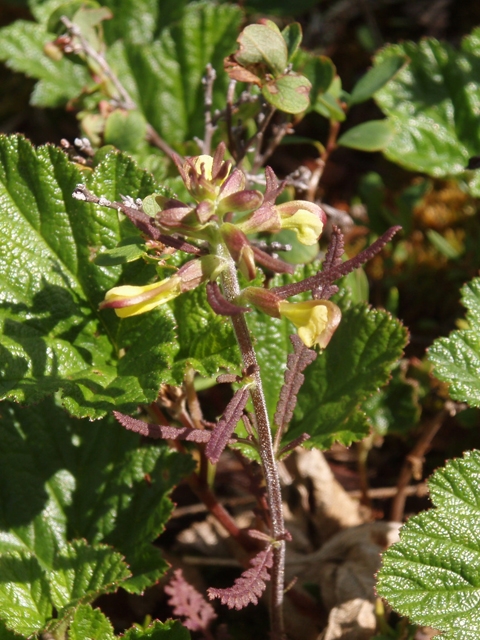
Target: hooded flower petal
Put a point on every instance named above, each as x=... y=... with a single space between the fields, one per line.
x=131 y=300
x=204 y=175
x=305 y=218
x=316 y=320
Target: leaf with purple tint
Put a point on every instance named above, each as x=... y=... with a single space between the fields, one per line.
x=225 y=426
x=333 y=258
x=162 y=431
x=297 y=362
x=249 y=587
x=329 y=275
x=187 y=603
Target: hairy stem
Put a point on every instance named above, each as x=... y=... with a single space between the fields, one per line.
x=232 y=290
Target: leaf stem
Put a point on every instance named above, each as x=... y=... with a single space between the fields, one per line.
x=274 y=496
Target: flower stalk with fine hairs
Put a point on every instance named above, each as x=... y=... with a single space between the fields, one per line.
x=214 y=228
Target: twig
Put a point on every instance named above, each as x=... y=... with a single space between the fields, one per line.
x=124 y=99
x=232 y=146
x=263 y=121
x=208 y=81
x=279 y=132
x=414 y=461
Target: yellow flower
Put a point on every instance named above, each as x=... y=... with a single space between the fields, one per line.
x=130 y=300
x=305 y=218
x=316 y=320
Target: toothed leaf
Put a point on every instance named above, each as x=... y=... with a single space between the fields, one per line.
x=53 y=337
x=431 y=574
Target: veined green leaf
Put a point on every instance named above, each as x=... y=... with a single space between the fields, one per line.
x=357 y=361
x=52 y=335
x=207 y=339
x=457 y=358
x=165 y=77
x=22 y=49
x=262 y=45
x=25 y=603
x=433 y=104
x=82 y=572
x=90 y=623
x=431 y=575
x=289 y=93
x=169 y=630
x=92 y=484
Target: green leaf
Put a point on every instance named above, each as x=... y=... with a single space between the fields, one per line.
x=431 y=574
x=165 y=77
x=6 y=634
x=289 y=93
x=22 y=49
x=328 y=107
x=376 y=78
x=357 y=361
x=262 y=45
x=125 y=130
x=207 y=339
x=94 y=482
x=52 y=335
x=441 y=243
x=90 y=623
x=82 y=572
x=272 y=346
x=456 y=358
x=395 y=408
x=169 y=630
x=433 y=106
x=320 y=70
x=25 y=604
x=373 y=135
x=292 y=34
x=128 y=250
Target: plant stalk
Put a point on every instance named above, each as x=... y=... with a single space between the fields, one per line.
x=231 y=289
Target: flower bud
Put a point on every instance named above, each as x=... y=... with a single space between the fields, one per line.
x=204 y=175
x=241 y=202
x=305 y=218
x=266 y=218
x=239 y=248
x=196 y=271
x=315 y=320
x=263 y=299
x=131 y=300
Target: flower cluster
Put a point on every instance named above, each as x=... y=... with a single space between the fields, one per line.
x=222 y=216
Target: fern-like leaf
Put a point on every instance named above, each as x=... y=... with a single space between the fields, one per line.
x=248 y=588
x=162 y=431
x=297 y=362
x=187 y=603
x=327 y=276
x=333 y=258
x=223 y=430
